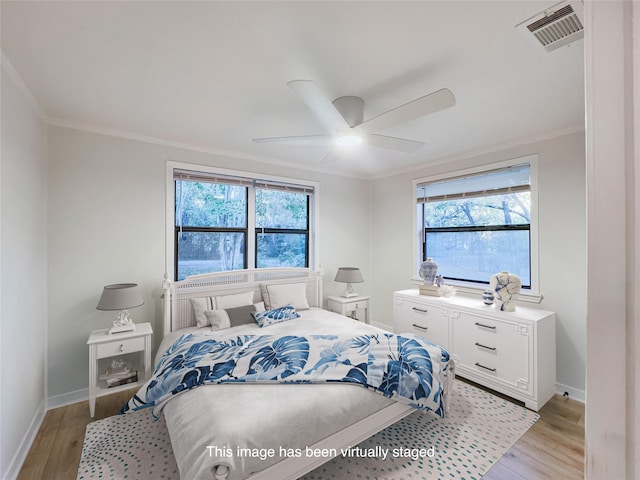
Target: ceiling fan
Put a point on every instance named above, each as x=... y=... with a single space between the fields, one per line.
x=343 y=119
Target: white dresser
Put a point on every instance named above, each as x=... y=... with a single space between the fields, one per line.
x=510 y=352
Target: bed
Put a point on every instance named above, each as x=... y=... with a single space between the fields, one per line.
x=233 y=429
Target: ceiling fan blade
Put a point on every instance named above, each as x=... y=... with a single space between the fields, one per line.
x=329 y=158
x=394 y=143
x=320 y=105
x=307 y=140
x=420 y=107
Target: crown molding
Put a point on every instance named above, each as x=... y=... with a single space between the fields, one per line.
x=114 y=132
x=8 y=67
x=485 y=151
x=15 y=77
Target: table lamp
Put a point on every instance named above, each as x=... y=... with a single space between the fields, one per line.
x=120 y=297
x=349 y=275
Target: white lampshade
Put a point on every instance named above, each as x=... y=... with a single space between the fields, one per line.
x=120 y=296
x=349 y=275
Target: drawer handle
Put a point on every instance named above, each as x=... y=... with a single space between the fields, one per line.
x=492 y=327
x=486 y=368
x=416 y=309
x=493 y=349
x=122 y=347
x=421 y=327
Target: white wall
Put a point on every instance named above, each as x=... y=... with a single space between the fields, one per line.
x=107 y=225
x=562 y=212
x=612 y=80
x=23 y=273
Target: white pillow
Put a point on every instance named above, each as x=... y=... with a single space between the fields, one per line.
x=200 y=305
x=235 y=300
x=218 y=319
x=280 y=294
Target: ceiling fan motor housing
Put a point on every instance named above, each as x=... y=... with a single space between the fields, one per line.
x=351 y=108
x=344 y=123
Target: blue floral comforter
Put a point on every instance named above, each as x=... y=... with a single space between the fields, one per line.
x=406 y=367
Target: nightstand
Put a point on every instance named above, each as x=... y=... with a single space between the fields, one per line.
x=102 y=345
x=343 y=305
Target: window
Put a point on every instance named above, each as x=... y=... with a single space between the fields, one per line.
x=479 y=223
x=282 y=228
x=229 y=222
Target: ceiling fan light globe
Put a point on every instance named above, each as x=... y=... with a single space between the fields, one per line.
x=348 y=140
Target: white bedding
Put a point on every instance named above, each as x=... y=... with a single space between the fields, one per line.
x=205 y=421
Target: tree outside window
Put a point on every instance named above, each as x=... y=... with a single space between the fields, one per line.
x=282 y=228
x=212 y=225
x=479 y=224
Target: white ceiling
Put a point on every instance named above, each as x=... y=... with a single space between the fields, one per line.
x=212 y=75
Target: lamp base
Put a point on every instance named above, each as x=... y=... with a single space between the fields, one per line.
x=350 y=294
x=122 y=323
x=130 y=327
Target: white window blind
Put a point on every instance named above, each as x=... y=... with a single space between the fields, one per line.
x=516 y=178
x=193 y=176
x=284 y=187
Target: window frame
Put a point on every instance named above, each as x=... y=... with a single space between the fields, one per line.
x=531 y=294
x=251 y=235
x=294 y=231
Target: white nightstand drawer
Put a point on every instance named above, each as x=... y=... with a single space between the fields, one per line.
x=111 y=349
x=344 y=306
x=102 y=345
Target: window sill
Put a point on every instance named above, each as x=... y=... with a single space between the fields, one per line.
x=470 y=288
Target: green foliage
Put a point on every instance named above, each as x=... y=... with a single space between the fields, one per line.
x=210 y=205
x=512 y=209
x=475 y=255
x=282 y=250
x=279 y=209
x=206 y=205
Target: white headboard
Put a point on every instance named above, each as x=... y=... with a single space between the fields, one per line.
x=178 y=312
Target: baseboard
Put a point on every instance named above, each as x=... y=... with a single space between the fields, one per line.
x=30 y=435
x=574 y=393
x=68 y=398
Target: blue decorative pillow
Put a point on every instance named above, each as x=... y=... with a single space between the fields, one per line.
x=277 y=315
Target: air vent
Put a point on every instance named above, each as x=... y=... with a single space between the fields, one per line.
x=556 y=27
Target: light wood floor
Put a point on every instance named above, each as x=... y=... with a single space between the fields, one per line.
x=552 y=449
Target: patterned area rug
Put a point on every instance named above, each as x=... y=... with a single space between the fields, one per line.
x=479 y=429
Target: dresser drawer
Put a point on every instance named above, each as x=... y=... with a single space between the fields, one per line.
x=500 y=350
x=111 y=349
x=428 y=321
x=511 y=352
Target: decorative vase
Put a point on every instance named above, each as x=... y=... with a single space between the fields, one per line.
x=506 y=288
x=428 y=271
x=487 y=297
